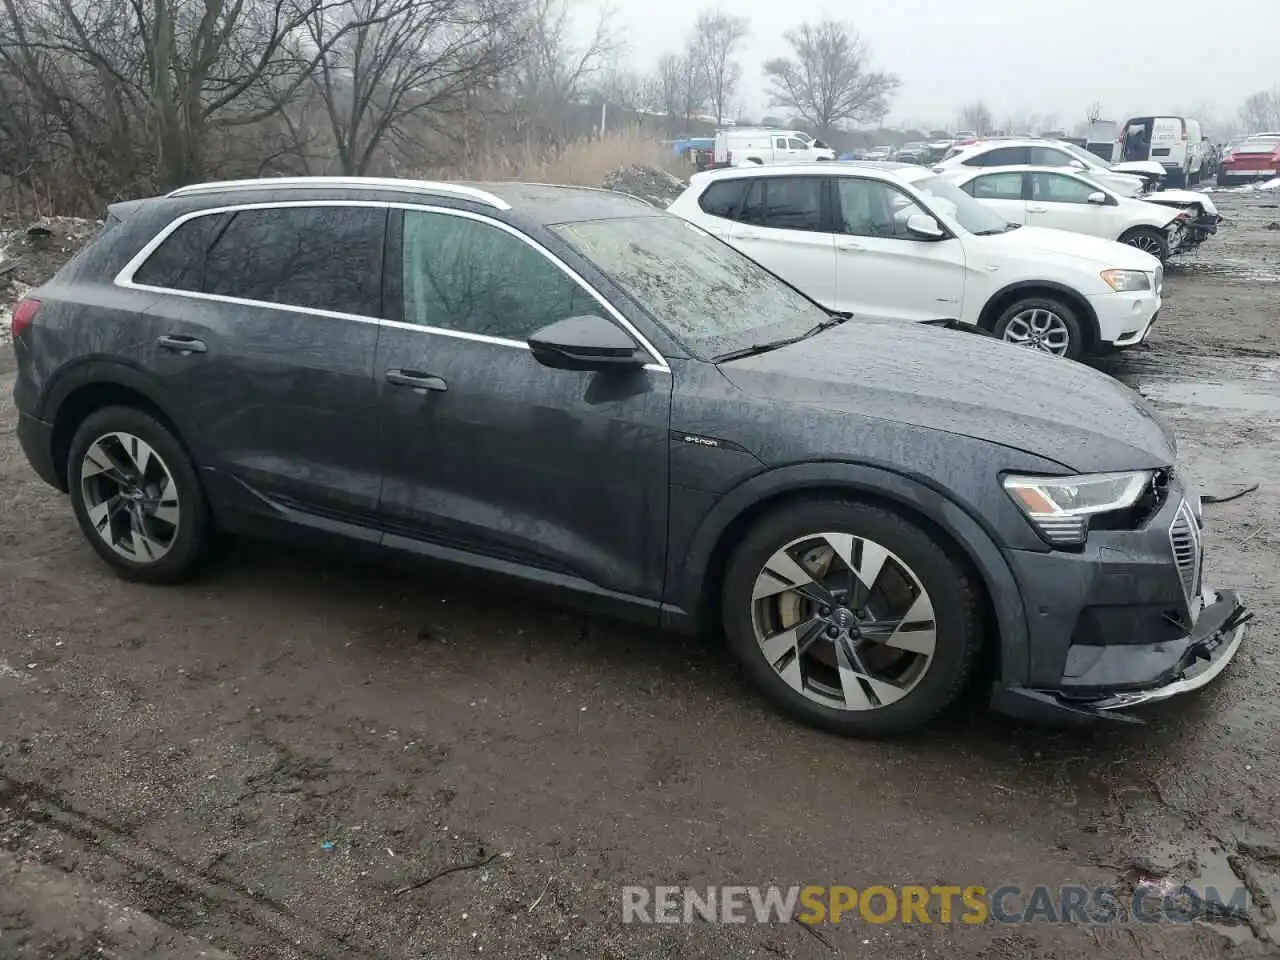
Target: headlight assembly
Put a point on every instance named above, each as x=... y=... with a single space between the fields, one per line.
x=1127 y=281
x=1060 y=507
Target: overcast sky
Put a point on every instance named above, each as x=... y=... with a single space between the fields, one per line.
x=1020 y=56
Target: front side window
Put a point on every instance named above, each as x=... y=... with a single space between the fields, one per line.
x=996 y=186
x=871 y=208
x=797 y=145
x=1049 y=157
x=1055 y=188
x=785 y=203
x=706 y=294
x=323 y=258
x=473 y=277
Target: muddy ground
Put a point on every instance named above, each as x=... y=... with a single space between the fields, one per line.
x=263 y=761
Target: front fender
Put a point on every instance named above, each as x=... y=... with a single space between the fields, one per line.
x=689 y=578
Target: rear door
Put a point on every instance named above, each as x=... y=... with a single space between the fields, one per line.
x=1062 y=202
x=1003 y=192
x=1168 y=141
x=785 y=224
x=883 y=272
x=267 y=326
x=485 y=449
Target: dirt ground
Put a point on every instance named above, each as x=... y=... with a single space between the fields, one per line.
x=271 y=761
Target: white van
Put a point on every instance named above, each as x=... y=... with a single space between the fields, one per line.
x=1176 y=143
x=736 y=147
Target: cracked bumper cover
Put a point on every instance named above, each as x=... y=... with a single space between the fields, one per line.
x=1125 y=676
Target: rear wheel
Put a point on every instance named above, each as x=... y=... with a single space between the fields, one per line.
x=136 y=496
x=1041 y=323
x=1148 y=240
x=851 y=617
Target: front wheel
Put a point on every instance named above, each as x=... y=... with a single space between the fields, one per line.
x=1041 y=323
x=136 y=496
x=1148 y=240
x=851 y=617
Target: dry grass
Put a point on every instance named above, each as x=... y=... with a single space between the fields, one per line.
x=581 y=163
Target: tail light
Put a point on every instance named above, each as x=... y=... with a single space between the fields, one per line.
x=24 y=314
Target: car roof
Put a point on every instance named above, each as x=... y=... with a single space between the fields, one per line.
x=546 y=203
x=957 y=173
x=881 y=169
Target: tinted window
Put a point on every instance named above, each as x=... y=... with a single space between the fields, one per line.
x=1000 y=157
x=996 y=186
x=1055 y=188
x=325 y=258
x=797 y=145
x=1048 y=157
x=467 y=275
x=785 y=203
x=870 y=208
x=706 y=293
x=178 y=263
x=724 y=197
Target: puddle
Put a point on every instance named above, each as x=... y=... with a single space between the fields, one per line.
x=1220 y=396
x=1226 y=268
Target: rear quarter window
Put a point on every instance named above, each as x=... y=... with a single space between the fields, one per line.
x=178 y=263
x=724 y=197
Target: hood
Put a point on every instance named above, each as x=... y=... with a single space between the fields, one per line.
x=1141 y=168
x=1125 y=184
x=967 y=384
x=1183 y=198
x=1105 y=254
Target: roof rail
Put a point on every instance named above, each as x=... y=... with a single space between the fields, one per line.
x=366 y=183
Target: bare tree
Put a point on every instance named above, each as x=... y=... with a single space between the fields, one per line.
x=976 y=116
x=555 y=71
x=716 y=36
x=385 y=62
x=827 y=80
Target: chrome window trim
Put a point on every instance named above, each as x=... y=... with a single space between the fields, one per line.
x=125 y=279
x=356 y=183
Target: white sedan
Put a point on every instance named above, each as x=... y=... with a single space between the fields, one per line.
x=1074 y=201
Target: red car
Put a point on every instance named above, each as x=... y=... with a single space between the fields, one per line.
x=1258 y=158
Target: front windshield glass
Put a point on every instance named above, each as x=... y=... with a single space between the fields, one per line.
x=704 y=292
x=946 y=199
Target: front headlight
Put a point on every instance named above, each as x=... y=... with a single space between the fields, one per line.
x=1126 y=281
x=1060 y=507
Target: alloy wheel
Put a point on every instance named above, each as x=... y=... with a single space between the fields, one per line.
x=130 y=497
x=843 y=621
x=1146 y=243
x=1041 y=329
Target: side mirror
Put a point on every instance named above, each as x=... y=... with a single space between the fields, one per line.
x=924 y=227
x=1098 y=197
x=1077 y=164
x=586 y=343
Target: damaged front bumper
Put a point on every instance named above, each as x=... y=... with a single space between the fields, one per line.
x=1121 y=677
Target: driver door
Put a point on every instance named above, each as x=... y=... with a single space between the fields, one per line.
x=486 y=450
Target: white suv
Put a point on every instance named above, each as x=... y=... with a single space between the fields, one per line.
x=1127 y=179
x=898 y=242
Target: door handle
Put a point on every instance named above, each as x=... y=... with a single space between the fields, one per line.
x=748 y=235
x=419 y=381
x=849 y=247
x=183 y=345
x=1036 y=208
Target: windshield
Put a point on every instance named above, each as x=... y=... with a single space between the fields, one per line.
x=948 y=200
x=705 y=293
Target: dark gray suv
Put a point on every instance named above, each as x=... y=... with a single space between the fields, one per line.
x=569 y=387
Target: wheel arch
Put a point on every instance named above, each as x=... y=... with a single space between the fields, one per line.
x=955 y=528
x=92 y=387
x=1006 y=296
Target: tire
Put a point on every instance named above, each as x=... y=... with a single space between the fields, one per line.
x=1148 y=240
x=1015 y=316
x=923 y=688
x=175 y=521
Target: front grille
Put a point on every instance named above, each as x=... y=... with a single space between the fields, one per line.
x=1184 y=538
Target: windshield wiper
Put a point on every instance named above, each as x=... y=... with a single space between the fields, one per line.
x=837 y=317
x=755 y=348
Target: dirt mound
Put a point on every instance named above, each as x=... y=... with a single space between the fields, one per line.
x=32 y=254
x=648 y=183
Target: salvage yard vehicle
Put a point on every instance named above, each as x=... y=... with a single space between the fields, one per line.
x=763 y=145
x=1128 y=179
x=893 y=241
x=573 y=389
x=1176 y=143
x=1257 y=158
x=1065 y=199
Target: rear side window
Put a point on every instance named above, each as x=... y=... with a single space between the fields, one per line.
x=178 y=263
x=1049 y=157
x=785 y=203
x=1001 y=157
x=724 y=198
x=325 y=258
x=995 y=186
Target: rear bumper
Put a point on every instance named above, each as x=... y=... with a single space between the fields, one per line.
x=36 y=439
x=1128 y=676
